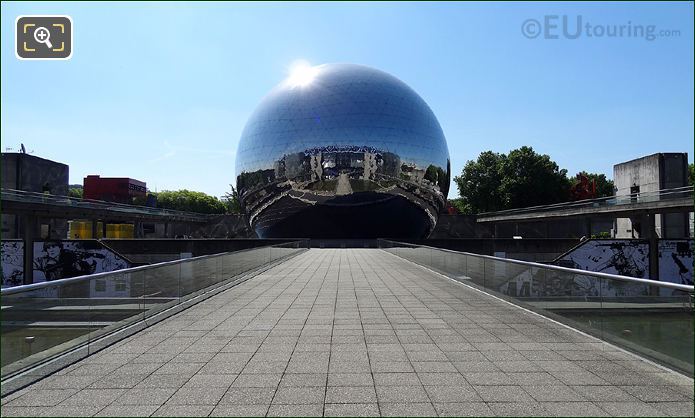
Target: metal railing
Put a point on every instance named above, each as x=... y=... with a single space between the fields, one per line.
x=634 y=198
x=42 y=321
x=22 y=196
x=651 y=318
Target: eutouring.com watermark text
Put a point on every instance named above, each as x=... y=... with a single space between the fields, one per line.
x=577 y=27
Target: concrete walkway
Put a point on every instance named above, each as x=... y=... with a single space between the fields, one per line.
x=356 y=332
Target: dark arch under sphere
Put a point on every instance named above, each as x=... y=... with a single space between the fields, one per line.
x=342 y=151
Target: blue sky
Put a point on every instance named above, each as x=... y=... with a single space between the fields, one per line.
x=160 y=91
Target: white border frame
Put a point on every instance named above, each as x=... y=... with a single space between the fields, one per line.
x=72 y=36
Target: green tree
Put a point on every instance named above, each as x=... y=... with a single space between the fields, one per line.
x=231 y=200
x=480 y=184
x=76 y=191
x=519 y=179
x=691 y=174
x=531 y=179
x=189 y=201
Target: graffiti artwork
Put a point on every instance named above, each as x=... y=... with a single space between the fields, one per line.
x=58 y=260
x=676 y=261
x=622 y=257
x=12 y=263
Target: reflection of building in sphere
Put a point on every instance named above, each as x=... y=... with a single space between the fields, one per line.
x=349 y=152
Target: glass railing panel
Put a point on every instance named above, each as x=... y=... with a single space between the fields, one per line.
x=475 y=269
x=116 y=300
x=509 y=279
x=205 y=273
x=454 y=264
x=161 y=288
x=654 y=321
x=38 y=324
x=44 y=321
x=438 y=260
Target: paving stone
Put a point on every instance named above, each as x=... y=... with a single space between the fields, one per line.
x=410 y=409
x=223 y=368
x=655 y=393
x=310 y=410
x=351 y=410
x=463 y=409
x=64 y=382
x=118 y=381
x=257 y=380
x=42 y=397
x=487 y=378
x=303 y=379
x=351 y=394
x=396 y=379
x=299 y=395
x=442 y=379
x=635 y=409
x=197 y=396
x=578 y=378
x=133 y=369
x=94 y=397
x=573 y=409
x=434 y=367
x=476 y=366
x=128 y=411
x=503 y=394
x=163 y=381
x=452 y=394
x=400 y=394
x=391 y=367
x=150 y=396
x=350 y=379
x=211 y=381
x=604 y=393
x=517 y=409
x=533 y=378
x=71 y=411
x=675 y=409
x=183 y=411
x=555 y=393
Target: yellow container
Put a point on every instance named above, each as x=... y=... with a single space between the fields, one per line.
x=83 y=230
x=120 y=230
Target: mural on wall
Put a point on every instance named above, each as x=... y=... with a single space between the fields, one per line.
x=676 y=261
x=620 y=256
x=12 y=263
x=58 y=260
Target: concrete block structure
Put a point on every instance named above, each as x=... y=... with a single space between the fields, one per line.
x=26 y=172
x=650 y=174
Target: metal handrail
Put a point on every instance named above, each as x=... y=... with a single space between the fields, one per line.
x=98 y=204
x=668 y=285
x=641 y=195
x=35 y=286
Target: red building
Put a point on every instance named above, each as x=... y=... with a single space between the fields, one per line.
x=113 y=189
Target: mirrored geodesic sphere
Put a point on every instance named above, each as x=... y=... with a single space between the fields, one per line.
x=342 y=151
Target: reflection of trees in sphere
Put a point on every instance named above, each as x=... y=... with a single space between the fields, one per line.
x=342 y=151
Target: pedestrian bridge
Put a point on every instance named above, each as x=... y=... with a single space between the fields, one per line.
x=290 y=331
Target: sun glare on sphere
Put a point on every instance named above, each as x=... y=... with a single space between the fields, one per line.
x=301 y=74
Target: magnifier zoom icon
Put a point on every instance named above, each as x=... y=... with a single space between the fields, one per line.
x=43 y=36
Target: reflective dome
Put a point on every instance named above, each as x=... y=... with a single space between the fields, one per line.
x=342 y=151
